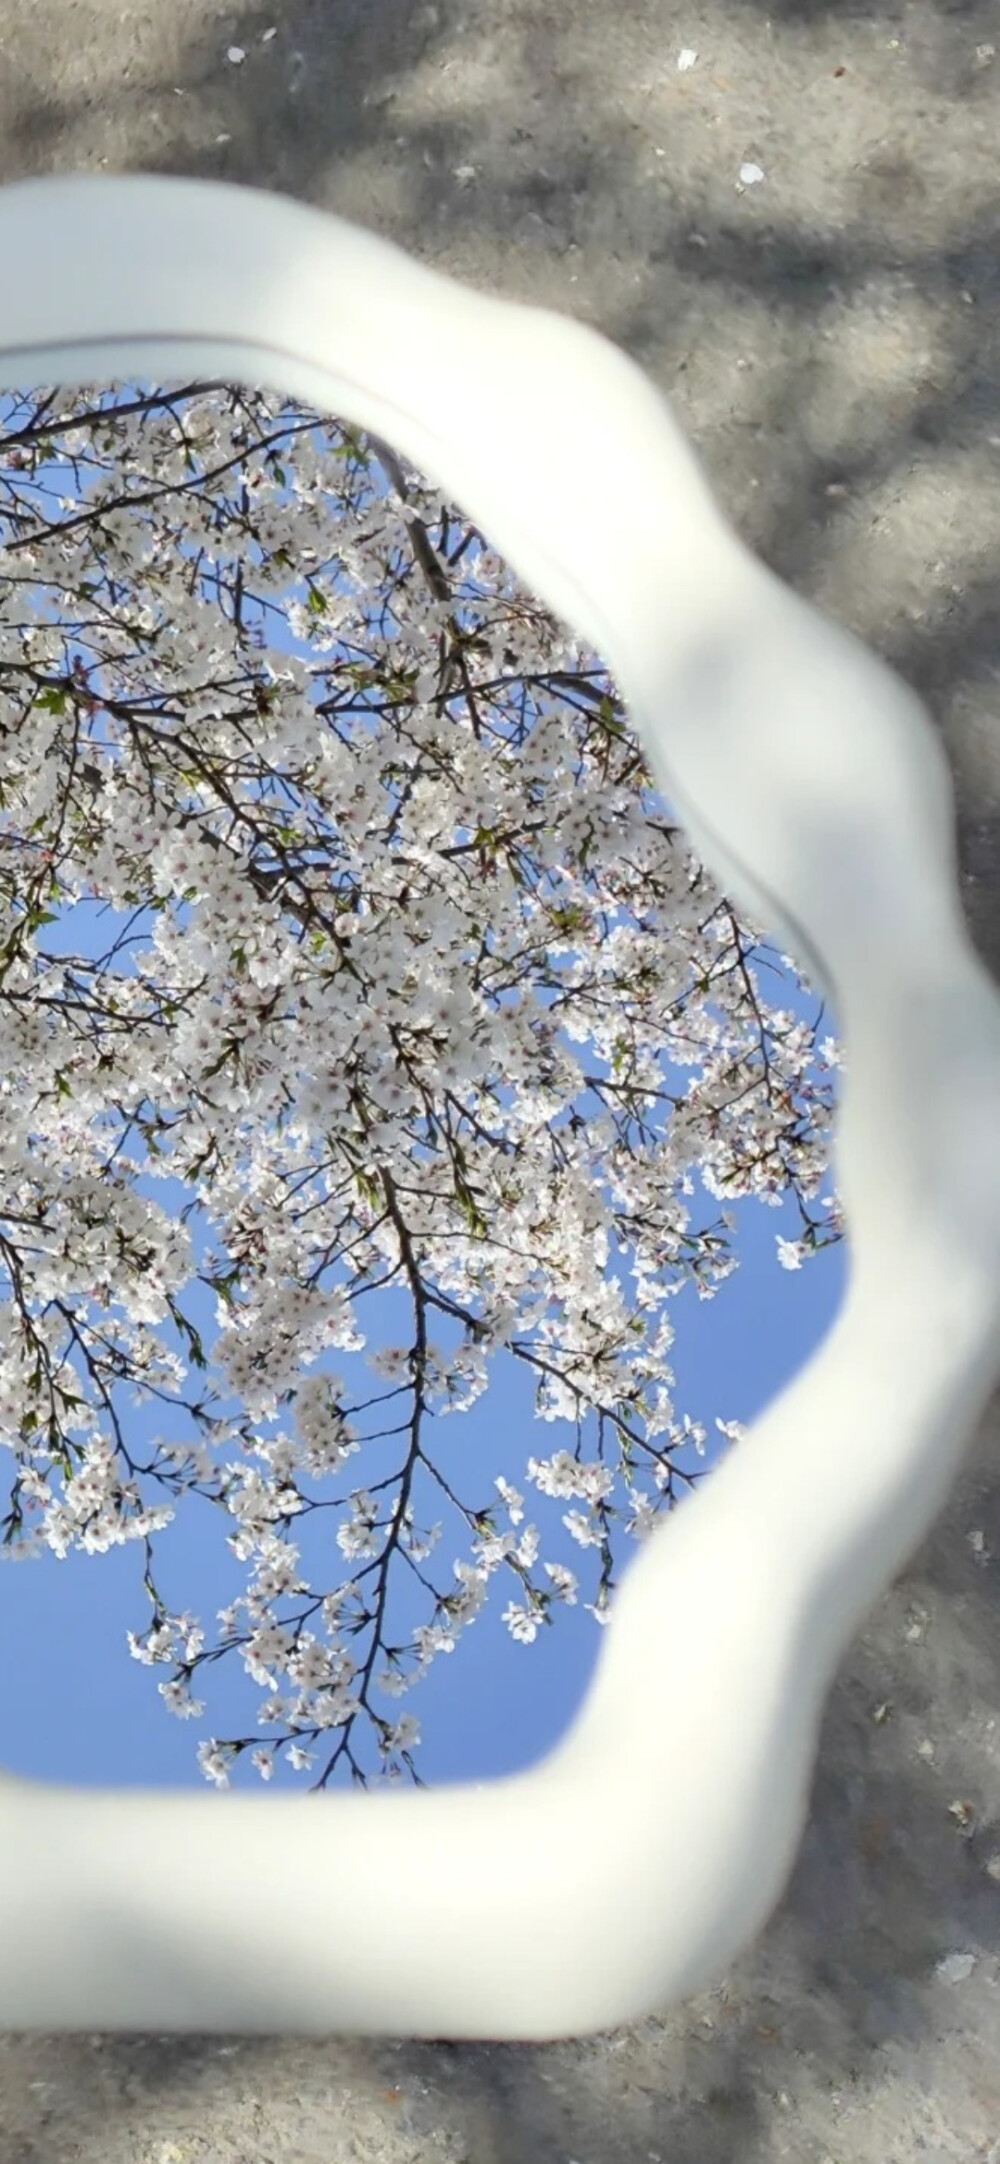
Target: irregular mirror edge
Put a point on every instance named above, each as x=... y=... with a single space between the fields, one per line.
x=135 y=1910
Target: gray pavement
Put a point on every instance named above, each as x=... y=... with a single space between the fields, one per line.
x=830 y=336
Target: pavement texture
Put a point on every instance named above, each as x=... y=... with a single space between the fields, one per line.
x=830 y=336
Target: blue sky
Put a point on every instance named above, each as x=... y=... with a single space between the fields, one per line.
x=76 y=1706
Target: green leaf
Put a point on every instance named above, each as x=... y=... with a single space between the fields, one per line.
x=228 y=1052
x=469 y=1207
x=223 y=1285
x=197 y=1164
x=188 y=1331
x=369 y=1188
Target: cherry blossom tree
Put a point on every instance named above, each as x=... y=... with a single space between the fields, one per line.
x=431 y=996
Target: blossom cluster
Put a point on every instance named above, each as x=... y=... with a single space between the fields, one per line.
x=429 y=993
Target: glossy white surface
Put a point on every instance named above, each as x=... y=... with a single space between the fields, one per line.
x=631 y=1865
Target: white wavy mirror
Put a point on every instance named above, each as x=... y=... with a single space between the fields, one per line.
x=808 y=777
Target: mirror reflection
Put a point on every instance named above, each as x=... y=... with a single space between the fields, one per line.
x=415 y=1170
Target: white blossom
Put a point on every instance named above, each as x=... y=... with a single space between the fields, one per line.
x=522 y=1622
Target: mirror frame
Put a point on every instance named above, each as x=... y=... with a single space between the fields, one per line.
x=631 y=1865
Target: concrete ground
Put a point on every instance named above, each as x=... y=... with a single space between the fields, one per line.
x=830 y=335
